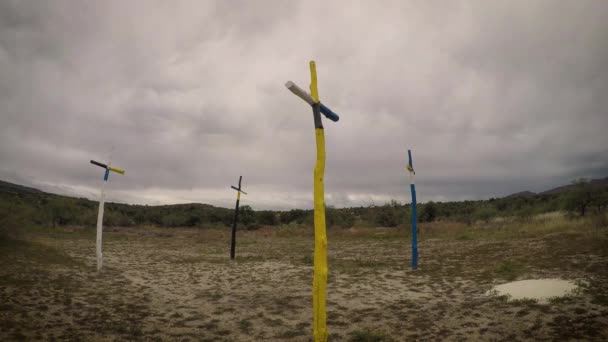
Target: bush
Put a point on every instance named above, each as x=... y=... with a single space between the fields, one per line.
x=87 y=218
x=581 y=197
x=390 y=215
x=13 y=216
x=174 y=220
x=266 y=217
x=599 y=220
x=485 y=214
x=247 y=216
x=525 y=214
x=428 y=213
x=225 y=217
x=510 y=270
x=61 y=211
x=342 y=218
x=295 y=215
x=125 y=221
x=253 y=226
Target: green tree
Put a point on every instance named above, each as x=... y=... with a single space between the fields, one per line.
x=600 y=200
x=390 y=214
x=332 y=216
x=13 y=216
x=154 y=216
x=428 y=212
x=525 y=214
x=342 y=218
x=347 y=218
x=60 y=211
x=267 y=217
x=485 y=213
x=295 y=215
x=246 y=215
x=175 y=219
x=217 y=216
x=580 y=197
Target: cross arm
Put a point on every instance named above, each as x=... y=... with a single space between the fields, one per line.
x=115 y=169
x=410 y=164
x=301 y=93
x=237 y=189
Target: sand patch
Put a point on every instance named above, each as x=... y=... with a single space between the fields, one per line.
x=538 y=289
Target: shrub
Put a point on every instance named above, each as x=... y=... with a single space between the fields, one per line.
x=174 y=220
x=581 y=197
x=485 y=213
x=599 y=220
x=246 y=216
x=342 y=218
x=267 y=217
x=509 y=270
x=525 y=214
x=61 y=211
x=428 y=213
x=390 y=215
x=13 y=216
x=295 y=215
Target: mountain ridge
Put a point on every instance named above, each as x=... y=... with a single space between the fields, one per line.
x=9 y=187
x=599 y=182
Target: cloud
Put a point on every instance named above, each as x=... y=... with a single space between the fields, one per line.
x=492 y=97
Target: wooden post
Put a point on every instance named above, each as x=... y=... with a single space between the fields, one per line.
x=410 y=168
x=236 y=218
x=319 y=291
x=98 y=241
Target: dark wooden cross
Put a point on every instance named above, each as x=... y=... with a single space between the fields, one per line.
x=236 y=217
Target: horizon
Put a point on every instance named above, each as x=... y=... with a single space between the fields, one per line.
x=403 y=203
x=492 y=98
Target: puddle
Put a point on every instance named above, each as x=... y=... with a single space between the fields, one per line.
x=539 y=289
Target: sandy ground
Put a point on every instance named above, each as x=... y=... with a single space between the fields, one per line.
x=178 y=284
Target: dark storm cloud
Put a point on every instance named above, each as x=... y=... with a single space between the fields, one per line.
x=492 y=97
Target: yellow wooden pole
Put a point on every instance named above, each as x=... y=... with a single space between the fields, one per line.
x=319 y=287
x=314 y=91
x=320 y=267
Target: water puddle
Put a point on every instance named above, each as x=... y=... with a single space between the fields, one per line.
x=538 y=289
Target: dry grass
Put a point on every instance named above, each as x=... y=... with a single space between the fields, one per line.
x=179 y=284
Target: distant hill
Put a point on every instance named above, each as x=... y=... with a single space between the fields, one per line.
x=12 y=188
x=600 y=183
x=6 y=187
x=16 y=188
x=26 y=205
x=522 y=194
x=39 y=207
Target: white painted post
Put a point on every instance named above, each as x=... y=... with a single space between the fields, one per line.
x=100 y=225
x=102 y=197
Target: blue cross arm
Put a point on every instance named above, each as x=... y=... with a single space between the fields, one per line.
x=329 y=113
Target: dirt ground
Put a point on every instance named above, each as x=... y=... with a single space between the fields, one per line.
x=179 y=284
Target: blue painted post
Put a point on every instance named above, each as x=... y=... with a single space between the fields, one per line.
x=410 y=168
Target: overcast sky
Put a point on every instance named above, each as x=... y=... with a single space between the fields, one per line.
x=493 y=97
